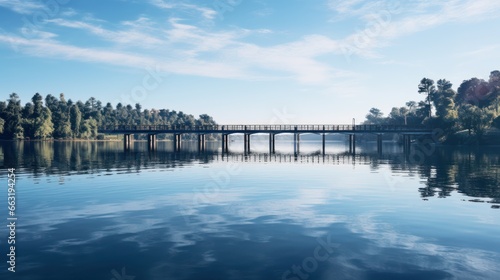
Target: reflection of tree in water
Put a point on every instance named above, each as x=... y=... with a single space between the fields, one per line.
x=83 y=157
x=472 y=172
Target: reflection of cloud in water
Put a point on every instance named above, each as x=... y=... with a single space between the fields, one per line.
x=389 y=249
x=139 y=217
x=158 y=220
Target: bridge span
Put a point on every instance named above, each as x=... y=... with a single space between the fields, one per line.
x=225 y=130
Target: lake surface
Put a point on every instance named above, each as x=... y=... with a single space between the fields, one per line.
x=90 y=210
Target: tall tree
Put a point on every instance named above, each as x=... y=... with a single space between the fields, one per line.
x=475 y=119
x=494 y=78
x=75 y=120
x=474 y=91
x=427 y=87
x=375 y=116
x=494 y=83
x=37 y=100
x=404 y=112
x=205 y=119
x=89 y=128
x=12 y=116
x=62 y=129
x=443 y=100
x=2 y=123
x=43 y=124
x=411 y=105
x=51 y=102
x=109 y=115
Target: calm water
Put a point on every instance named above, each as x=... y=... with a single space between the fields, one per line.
x=94 y=211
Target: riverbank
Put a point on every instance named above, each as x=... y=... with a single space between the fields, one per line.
x=490 y=137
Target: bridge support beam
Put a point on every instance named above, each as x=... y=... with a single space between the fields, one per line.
x=225 y=143
x=201 y=142
x=274 y=143
x=272 y=146
x=296 y=143
x=406 y=142
x=247 y=142
x=352 y=143
x=152 y=141
x=323 y=140
x=177 y=142
x=379 y=143
x=127 y=141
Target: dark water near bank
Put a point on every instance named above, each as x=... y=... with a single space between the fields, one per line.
x=94 y=211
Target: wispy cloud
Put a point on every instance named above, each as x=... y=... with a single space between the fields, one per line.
x=489 y=50
x=345 y=7
x=69 y=12
x=45 y=47
x=22 y=6
x=134 y=34
x=451 y=11
x=162 y=4
x=179 y=46
x=205 y=12
x=385 y=23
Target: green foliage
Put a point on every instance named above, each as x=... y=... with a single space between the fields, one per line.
x=374 y=117
x=2 y=123
x=397 y=116
x=18 y=131
x=89 y=128
x=427 y=87
x=43 y=124
x=61 y=118
x=12 y=116
x=474 y=107
x=62 y=128
x=476 y=92
x=476 y=120
x=75 y=120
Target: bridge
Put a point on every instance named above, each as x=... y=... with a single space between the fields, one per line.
x=247 y=130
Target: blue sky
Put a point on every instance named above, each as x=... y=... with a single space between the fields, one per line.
x=246 y=61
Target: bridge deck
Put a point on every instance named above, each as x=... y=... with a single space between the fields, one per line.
x=253 y=129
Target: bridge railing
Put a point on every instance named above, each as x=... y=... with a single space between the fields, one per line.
x=252 y=128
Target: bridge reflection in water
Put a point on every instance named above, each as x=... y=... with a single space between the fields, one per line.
x=223 y=131
x=338 y=156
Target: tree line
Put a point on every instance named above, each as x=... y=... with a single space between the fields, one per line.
x=64 y=119
x=473 y=107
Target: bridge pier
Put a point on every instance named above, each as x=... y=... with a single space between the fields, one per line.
x=323 y=138
x=272 y=146
x=225 y=143
x=201 y=142
x=127 y=141
x=177 y=142
x=406 y=142
x=296 y=143
x=152 y=142
x=247 y=142
x=352 y=143
x=379 y=143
